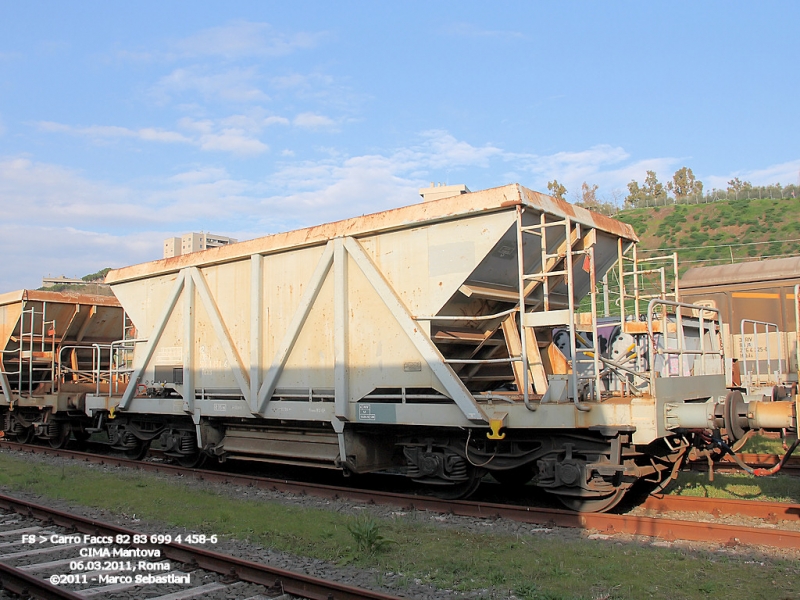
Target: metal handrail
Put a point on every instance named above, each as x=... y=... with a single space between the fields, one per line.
x=797 y=326
x=114 y=371
x=467 y=317
x=767 y=327
x=482 y=361
x=679 y=337
x=95 y=372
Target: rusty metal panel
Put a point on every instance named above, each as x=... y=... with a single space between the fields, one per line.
x=79 y=318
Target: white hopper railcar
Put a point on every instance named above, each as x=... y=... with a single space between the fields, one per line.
x=423 y=339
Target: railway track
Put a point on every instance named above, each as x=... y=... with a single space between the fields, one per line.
x=659 y=523
x=47 y=553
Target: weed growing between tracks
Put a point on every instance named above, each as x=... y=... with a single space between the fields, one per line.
x=762 y=444
x=738 y=486
x=535 y=563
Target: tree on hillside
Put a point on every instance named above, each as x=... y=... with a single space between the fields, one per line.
x=589 y=195
x=684 y=184
x=735 y=185
x=588 y=199
x=556 y=189
x=653 y=189
x=636 y=196
x=99 y=276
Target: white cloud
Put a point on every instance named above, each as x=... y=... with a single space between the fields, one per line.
x=444 y=151
x=298 y=81
x=193 y=125
x=232 y=140
x=200 y=175
x=44 y=250
x=32 y=191
x=98 y=132
x=242 y=39
x=237 y=84
x=236 y=134
x=786 y=173
x=158 y=135
x=593 y=158
x=276 y=121
x=127 y=224
x=314 y=193
x=313 y=121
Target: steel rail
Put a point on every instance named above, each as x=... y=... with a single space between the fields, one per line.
x=658 y=527
x=26 y=585
x=270 y=577
x=772 y=512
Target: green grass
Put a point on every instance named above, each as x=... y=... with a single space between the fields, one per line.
x=738 y=486
x=760 y=444
x=537 y=566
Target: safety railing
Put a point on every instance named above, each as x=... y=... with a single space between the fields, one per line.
x=797 y=327
x=709 y=343
x=639 y=290
x=121 y=363
x=94 y=375
x=768 y=328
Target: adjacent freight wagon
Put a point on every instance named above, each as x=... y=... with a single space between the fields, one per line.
x=442 y=340
x=53 y=344
x=758 y=304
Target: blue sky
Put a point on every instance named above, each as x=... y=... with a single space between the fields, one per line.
x=125 y=123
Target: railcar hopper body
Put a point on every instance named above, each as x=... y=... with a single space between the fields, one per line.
x=363 y=320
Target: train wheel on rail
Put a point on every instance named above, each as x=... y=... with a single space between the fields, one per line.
x=137 y=452
x=25 y=435
x=592 y=504
x=459 y=490
x=62 y=435
x=192 y=461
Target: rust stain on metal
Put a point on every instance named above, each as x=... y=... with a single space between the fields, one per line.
x=580 y=214
x=60 y=297
x=463 y=206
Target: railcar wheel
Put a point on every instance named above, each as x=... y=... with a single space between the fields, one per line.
x=138 y=452
x=516 y=477
x=62 y=439
x=26 y=435
x=192 y=461
x=460 y=490
x=592 y=504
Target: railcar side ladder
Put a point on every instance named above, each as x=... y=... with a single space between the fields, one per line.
x=557 y=258
x=36 y=352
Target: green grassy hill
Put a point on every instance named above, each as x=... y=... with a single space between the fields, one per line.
x=719 y=232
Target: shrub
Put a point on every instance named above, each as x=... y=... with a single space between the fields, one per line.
x=368 y=537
